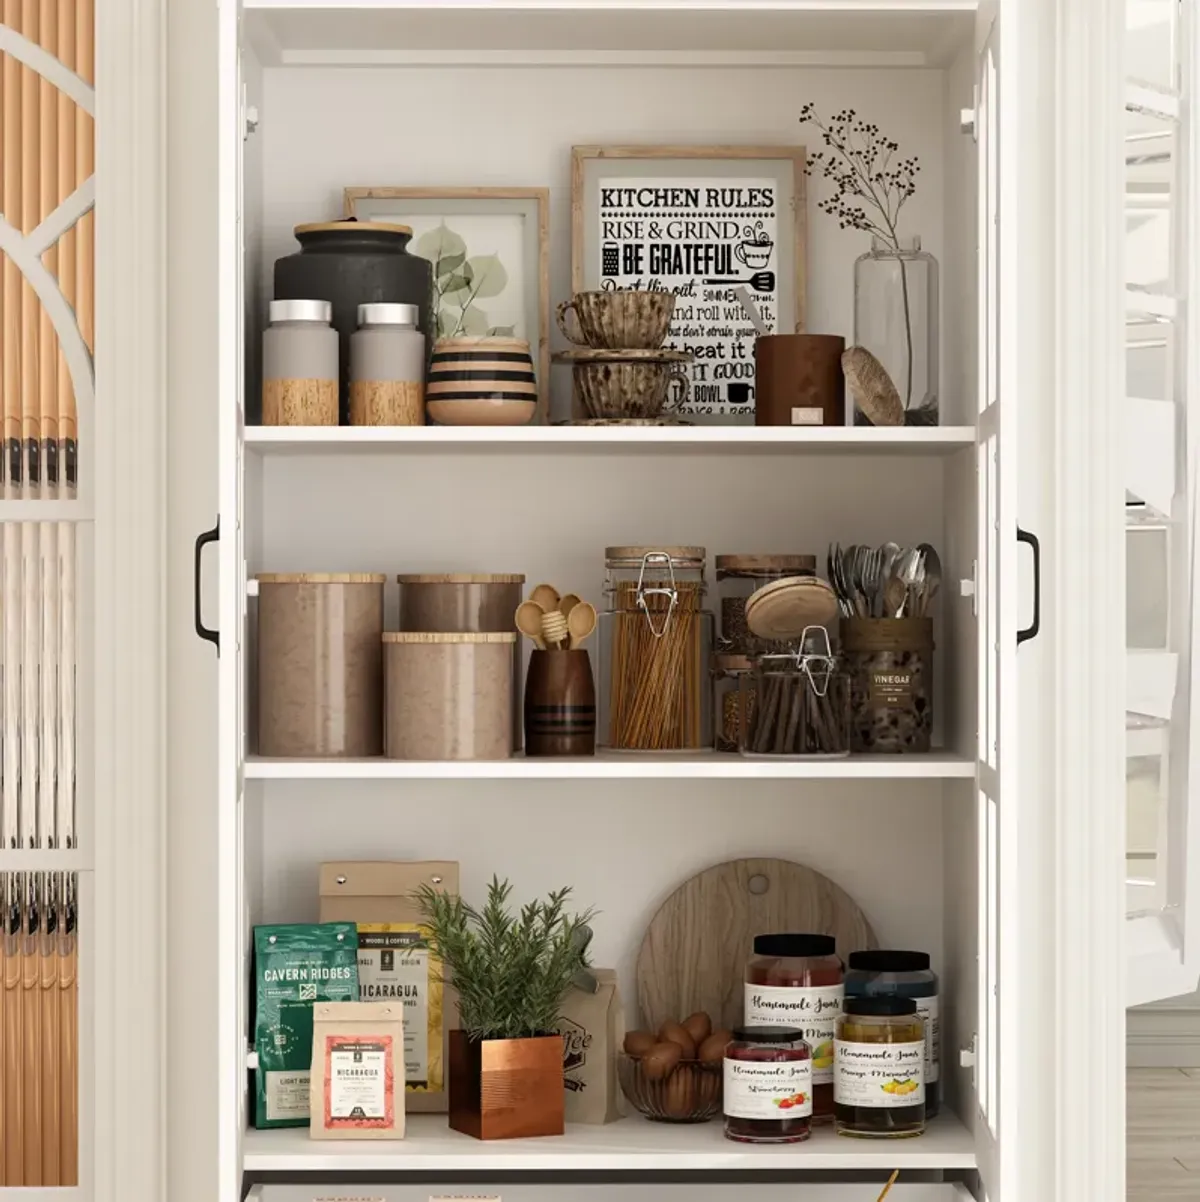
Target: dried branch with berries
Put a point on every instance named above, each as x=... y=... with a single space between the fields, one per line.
x=870 y=184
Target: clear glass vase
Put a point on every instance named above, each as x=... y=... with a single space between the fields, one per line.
x=896 y=319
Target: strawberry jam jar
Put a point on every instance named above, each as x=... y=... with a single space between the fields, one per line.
x=797 y=981
x=768 y=1086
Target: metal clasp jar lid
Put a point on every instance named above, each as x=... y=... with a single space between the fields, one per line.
x=814 y=657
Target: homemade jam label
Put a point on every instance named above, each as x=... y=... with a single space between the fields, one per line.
x=927 y=1012
x=879 y=1075
x=359 y=1082
x=768 y=1089
x=814 y=1011
x=891 y=688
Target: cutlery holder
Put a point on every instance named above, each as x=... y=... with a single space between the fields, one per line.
x=560 y=704
x=889 y=662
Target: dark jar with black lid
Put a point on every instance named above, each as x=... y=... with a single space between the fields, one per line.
x=879 y=1069
x=904 y=974
x=767 y=1088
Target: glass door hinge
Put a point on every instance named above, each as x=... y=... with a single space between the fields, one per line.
x=966 y=588
x=966 y=1056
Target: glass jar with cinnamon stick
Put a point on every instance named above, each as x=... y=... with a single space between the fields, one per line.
x=655 y=641
x=797 y=703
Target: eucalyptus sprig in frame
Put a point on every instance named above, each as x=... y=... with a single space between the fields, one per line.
x=871 y=184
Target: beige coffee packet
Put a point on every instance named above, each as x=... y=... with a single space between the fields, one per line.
x=356 y=1089
x=593 y=1029
x=394 y=964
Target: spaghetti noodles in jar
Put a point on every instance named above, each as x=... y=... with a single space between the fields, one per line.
x=655 y=642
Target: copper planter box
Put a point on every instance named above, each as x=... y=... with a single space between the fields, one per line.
x=506 y=1088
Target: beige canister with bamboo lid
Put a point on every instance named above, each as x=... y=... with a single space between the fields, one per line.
x=320 y=665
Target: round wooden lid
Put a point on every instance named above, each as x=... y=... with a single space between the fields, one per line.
x=783 y=608
x=427 y=637
x=766 y=563
x=463 y=578
x=677 y=554
x=321 y=578
x=377 y=227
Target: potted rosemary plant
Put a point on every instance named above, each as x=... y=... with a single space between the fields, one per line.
x=510 y=971
x=895 y=282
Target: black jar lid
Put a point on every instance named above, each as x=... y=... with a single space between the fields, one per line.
x=889 y=961
x=767 y=1034
x=880 y=1007
x=798 y=946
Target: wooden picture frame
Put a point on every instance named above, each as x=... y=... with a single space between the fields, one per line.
x=409 y=206
x=782 y=259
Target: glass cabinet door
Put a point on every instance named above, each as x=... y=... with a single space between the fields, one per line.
x=1161 y=434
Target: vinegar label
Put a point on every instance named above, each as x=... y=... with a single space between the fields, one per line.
x=814 y=1011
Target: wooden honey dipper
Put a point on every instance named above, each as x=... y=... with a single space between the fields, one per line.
x=554 y=629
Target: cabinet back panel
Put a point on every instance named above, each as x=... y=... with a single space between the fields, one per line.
x=622 y=849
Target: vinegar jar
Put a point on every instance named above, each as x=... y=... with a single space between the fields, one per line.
x=903 y=974
x=797 y=981
x=879 y=1087
x=767 y=1086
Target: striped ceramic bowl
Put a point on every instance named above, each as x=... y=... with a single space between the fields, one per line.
x=481 y=382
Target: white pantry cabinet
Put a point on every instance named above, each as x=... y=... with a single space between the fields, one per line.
x=1001 y=851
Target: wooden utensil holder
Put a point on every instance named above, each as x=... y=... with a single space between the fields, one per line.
x=890 y=665
x=560 y=704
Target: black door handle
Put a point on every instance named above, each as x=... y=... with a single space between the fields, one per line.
x=1030 y=631
x=205 y=632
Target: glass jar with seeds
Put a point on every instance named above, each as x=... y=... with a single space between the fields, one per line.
x=727 y=673
x=797 y=703
x=738 y=576
x=656 y=638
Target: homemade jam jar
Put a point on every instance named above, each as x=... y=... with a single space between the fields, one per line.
x=768 y=1086
x=796 y=980
x=903 y=974
x=879 y=1068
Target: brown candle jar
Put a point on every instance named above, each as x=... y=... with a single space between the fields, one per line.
x=796 y=980
x=879 y=1070
x=768 y=1086
x=799 y=380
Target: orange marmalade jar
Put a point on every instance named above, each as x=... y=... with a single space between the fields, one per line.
x=797 y=981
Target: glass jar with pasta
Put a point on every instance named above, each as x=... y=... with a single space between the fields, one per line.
x=655 y=641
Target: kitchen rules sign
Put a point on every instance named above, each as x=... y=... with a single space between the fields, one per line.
x=699 y=239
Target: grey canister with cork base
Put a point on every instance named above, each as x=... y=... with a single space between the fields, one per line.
x=890 y=665
x=300 y=365
x=387 y=367
x=798 y=380
x=320 y=665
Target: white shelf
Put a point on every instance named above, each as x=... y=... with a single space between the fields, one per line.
x=380 y=440
x=937 y=765
x=632 y=1145
x=759 y=33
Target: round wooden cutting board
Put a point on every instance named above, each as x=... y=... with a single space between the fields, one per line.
x=693 y=955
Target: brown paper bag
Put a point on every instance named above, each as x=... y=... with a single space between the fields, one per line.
x=356 y=1087
x=377 y=896
x=593 y=1029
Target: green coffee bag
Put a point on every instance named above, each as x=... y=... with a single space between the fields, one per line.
x=295 y=966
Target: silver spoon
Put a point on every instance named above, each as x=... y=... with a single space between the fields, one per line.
x=931 y=576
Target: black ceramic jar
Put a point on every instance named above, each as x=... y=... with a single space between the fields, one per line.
x=352 y=263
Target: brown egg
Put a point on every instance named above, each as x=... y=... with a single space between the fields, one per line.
x=679 y=1094
x=660 y=1060
x=638 y=1043
x=676 y=1033
x=698 y=1026
x=712 y=1050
